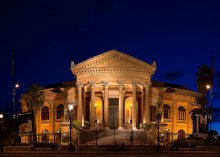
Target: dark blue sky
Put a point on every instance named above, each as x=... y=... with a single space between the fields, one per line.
x=47 y=35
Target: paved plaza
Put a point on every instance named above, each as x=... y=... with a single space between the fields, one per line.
x=112 y=153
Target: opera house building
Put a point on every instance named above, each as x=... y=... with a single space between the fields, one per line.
x=114 y=94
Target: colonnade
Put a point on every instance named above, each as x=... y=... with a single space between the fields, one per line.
x=105 y=120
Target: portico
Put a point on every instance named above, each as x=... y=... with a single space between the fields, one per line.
x=110 y=87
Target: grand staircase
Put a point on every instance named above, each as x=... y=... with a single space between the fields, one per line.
x=113 y=137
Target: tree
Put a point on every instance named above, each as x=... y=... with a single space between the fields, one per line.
x=34 y=98
x=202 y=101
x=204 y=76
x=77 y=124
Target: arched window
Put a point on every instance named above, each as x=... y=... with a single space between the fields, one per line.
x=181 y=134
x=166 y=111
x=45 y=113
x=181 y=113
x=45 y=135
x=60 y=111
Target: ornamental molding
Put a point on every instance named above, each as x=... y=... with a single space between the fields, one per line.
x=113 y=65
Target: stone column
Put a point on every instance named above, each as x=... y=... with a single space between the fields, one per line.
x=106 y=107
x=134 y=105
x=80 y=111
x=120 y=110
x=146 y=112
x=92 y=104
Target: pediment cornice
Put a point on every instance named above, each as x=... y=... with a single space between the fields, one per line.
x=113 y=58
x=113 y=65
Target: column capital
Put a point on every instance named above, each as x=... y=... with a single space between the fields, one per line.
x=120 y=83
x=79 y=85
x=134 y=84
x=106 y=83
x=92 y=83
x=147 y=84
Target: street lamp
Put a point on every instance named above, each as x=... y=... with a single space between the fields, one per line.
x=159 y=115
x=70 y=109
x=1 y=129
x=16 y=86
x=209 y=87
x=1 y=117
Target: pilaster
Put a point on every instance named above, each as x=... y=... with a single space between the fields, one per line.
x=146 y=112
x=80 y=108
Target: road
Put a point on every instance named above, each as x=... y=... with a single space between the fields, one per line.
x=112 y=154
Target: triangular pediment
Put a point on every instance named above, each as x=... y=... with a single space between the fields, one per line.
x=113 y=58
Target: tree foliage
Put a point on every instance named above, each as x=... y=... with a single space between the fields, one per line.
x=77 y=124
x=34 y=96
x=204 y=76
x=202 y=102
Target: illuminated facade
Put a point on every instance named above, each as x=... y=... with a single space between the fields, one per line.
x=115 y=90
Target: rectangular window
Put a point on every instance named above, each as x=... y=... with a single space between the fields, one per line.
x=153 y=113
x=166 y=114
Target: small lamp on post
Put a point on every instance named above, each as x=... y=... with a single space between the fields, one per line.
x=1 y=131
x=209 y=87
x=70 y=109
x=1 y=117
x=16 y=86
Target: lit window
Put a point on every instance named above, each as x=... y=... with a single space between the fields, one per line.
x=181 y=113
x=45 y=113
x=166 y=111
x=60 y=111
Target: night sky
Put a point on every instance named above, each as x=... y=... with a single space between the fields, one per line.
x=46 y=35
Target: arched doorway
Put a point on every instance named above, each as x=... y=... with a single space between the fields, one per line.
x=45 y=135
x=98 y=110
x=181 y=134
x=128 y=112
x=58 y=136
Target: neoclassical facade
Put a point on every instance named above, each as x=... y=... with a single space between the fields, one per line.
x=115 y=91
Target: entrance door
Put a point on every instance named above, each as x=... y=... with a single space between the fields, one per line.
x=113 y=113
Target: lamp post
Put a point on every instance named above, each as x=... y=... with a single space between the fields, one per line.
x=1 y=131
x=70 y=109
x=16 y=86
x=209 y=87
x=159 y=115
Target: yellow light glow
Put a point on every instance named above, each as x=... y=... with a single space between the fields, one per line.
x=208 y=86
x=17 y=85
x=1 y=115
x=70 y=106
